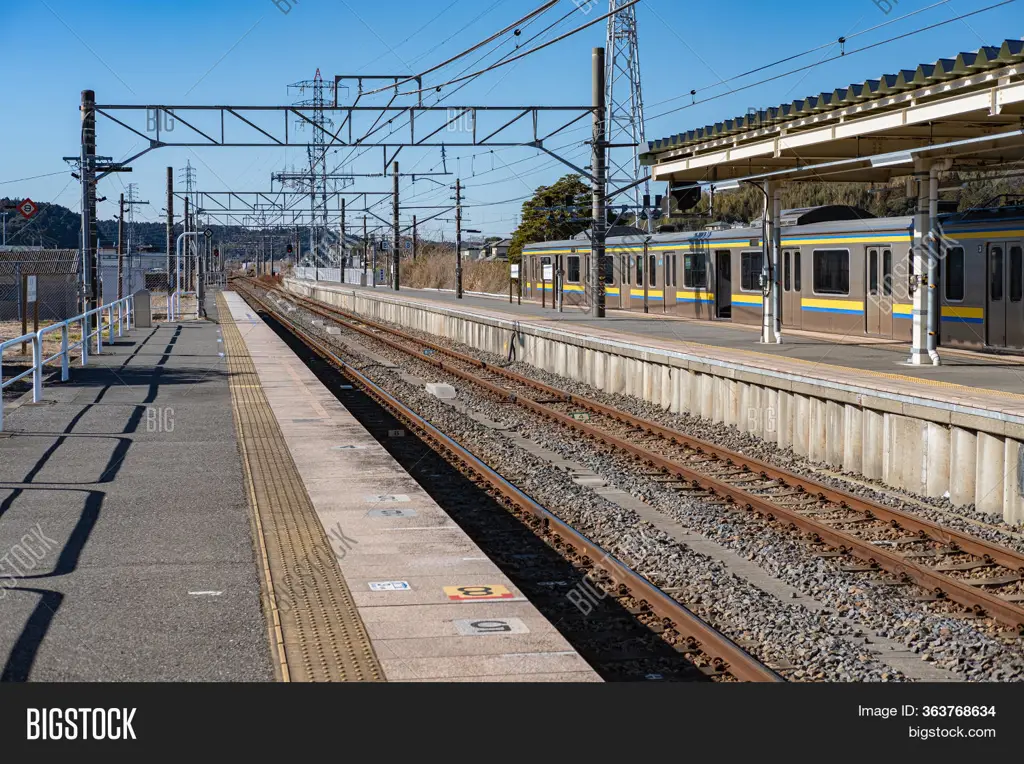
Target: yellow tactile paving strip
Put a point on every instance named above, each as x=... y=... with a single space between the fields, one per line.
x=315 y=628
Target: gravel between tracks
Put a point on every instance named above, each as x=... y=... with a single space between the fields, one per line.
x=810 y=641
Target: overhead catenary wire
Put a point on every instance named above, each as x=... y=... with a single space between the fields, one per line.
x=838 y=41
x=440 y=98
x=831 y=58
x=536 y=12
x=531 y=51
x=418 y=32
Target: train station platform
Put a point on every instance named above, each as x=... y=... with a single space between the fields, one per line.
x=849 y=404
x=194 y=505
x=966 y=368
x=125 y=545
x=434 y=606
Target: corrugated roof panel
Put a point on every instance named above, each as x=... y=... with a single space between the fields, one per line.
x=986 y=57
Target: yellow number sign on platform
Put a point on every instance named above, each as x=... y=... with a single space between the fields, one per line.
x=489 y=592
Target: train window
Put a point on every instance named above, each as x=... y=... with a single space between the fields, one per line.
x=609 y=269
x=1016 y=274
x=652 y=266
x=955 y=273
x=629 y=270
x=872 y=271
x=639 y=270
x=995 y=280
x=670 y=271
x=797 y=273
x=887 y=272
x=750 y=271
x=574 y=269
x=785 y=272
x=831 y=271
x=695 y=271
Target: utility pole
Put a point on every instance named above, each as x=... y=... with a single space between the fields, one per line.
x=458 y=238
x=120 y=249
x=187 y=229
x=170 y=223
x=598 y=188
x=373 y=263
x=415 y=238
x=397 y=251
x=90 y=289
x=366 y=250
x=343 y=258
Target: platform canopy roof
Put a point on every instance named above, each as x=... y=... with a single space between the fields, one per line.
x=969 y=108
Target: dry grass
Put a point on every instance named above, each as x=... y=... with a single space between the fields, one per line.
x=51 y=344
x=271 y=281
x=158 y=305
x=438 y=272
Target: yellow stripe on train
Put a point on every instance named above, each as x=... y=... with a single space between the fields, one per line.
x=747 y=299
x=900 y=310
x=695 y=297
x=847 y=307
x=963 y=315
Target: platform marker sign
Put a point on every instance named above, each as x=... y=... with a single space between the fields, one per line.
x=391 y=513
x=483 y=627
x=387 y=498
x=475 y=593
x=389 y=586
x=27 y=208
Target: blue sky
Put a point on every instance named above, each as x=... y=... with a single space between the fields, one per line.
x=247 y=51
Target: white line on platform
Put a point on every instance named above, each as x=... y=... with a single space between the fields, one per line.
x=206 y=594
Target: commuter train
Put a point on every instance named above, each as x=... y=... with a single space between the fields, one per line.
x=843 y=272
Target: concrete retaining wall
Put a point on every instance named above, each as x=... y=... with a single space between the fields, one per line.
x=927 y=447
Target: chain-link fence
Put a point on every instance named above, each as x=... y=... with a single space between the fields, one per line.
x=38 y=283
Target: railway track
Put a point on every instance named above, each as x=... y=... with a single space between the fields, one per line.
x=949 y=565
x=712 y=653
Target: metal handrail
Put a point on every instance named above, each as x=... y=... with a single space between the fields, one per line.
x=174 y=304
x=119 y=318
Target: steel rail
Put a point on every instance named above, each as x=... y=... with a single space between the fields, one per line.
x=972 y=597
x=697 y=633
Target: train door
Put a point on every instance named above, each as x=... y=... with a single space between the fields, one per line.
x=625 y=276
x=792 y=289
x=1004 y=318
x=655 y=282
x=723 y=284
x=668 y=259
x=878 y=277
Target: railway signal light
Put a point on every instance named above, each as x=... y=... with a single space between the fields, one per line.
x=685 y=196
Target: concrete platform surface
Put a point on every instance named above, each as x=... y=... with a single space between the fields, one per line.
x=125 y=539
x=434 y=605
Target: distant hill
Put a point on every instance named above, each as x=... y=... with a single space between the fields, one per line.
x=58 y=227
